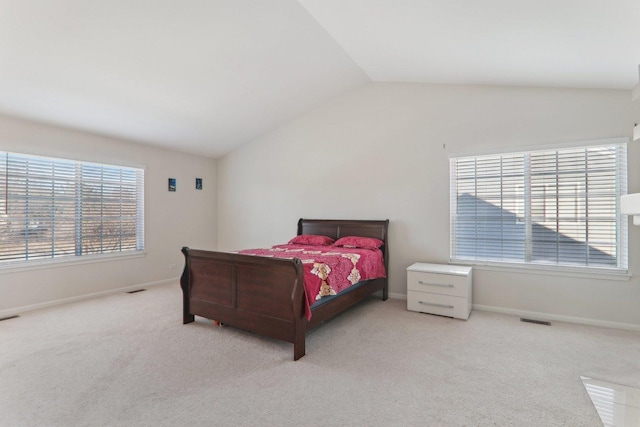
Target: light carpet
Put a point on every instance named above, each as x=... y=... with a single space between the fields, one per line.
x=127 y=360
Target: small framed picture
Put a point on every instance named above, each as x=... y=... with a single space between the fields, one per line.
x=172 y=184
x=198 y=183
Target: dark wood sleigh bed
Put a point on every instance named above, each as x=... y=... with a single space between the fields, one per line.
x=266 y=295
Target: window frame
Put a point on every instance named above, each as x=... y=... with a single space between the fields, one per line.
x=618 y=272
x=130 y=181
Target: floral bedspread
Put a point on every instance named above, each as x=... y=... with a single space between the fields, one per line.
x=328 y=269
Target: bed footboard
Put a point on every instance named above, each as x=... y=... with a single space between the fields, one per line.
x=258 y=294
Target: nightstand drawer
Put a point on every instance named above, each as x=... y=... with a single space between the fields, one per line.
x=443 y=305
x=445 y=284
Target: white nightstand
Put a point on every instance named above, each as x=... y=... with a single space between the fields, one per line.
x=439 y=289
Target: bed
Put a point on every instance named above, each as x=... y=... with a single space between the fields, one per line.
x=266 y=295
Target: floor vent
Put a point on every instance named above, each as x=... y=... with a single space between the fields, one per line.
x=136 y=291
x=10 y=317
x=537 y=322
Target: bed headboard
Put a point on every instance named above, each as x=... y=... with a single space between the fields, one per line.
x=339 y=228
x=336 y=228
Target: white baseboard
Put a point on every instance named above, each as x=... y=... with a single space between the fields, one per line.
x=544 y=316
x=547 y=316
x=18 y=310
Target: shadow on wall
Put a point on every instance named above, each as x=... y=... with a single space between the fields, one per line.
x=481 y=226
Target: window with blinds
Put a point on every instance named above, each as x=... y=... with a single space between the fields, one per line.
x=54 y=208
x=550 y=207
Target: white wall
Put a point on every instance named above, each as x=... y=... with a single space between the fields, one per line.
x=382 y=152
x=172 y=220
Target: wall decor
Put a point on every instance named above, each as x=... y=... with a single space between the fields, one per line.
x=198 y=183
x=172 y=184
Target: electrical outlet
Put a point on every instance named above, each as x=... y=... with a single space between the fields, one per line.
x=173 y=266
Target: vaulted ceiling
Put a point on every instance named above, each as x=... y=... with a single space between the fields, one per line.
x=206 y=76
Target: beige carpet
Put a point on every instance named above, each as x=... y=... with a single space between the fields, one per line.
x=127 y=360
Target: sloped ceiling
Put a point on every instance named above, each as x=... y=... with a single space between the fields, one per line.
x=201 y=76
x=553 y=43
x=206 y=76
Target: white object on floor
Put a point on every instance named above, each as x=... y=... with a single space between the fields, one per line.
x=439 y=289
x=617 y=405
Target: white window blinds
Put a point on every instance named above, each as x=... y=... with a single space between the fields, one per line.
x=52 y=208
x=557 y=207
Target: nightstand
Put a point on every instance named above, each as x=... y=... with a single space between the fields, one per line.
x=439 y=289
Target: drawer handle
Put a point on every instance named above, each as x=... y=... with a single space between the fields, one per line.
x=435 y=305
x=436 y=284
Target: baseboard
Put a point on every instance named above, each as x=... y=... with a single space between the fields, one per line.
x=19 y=310
x=547 y=316
x=393 y=295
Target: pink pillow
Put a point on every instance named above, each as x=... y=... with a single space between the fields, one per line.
x=311 y=239
x=359 y=242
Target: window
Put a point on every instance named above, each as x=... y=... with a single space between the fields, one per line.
x=55 y=208
x=556 y=207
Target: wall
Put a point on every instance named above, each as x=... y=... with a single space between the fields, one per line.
x=172 y=220
x=382 y=152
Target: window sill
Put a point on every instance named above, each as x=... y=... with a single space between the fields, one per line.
x=21 y=266
x=584 y=273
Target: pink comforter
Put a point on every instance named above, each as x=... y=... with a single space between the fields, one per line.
x=328 y=269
